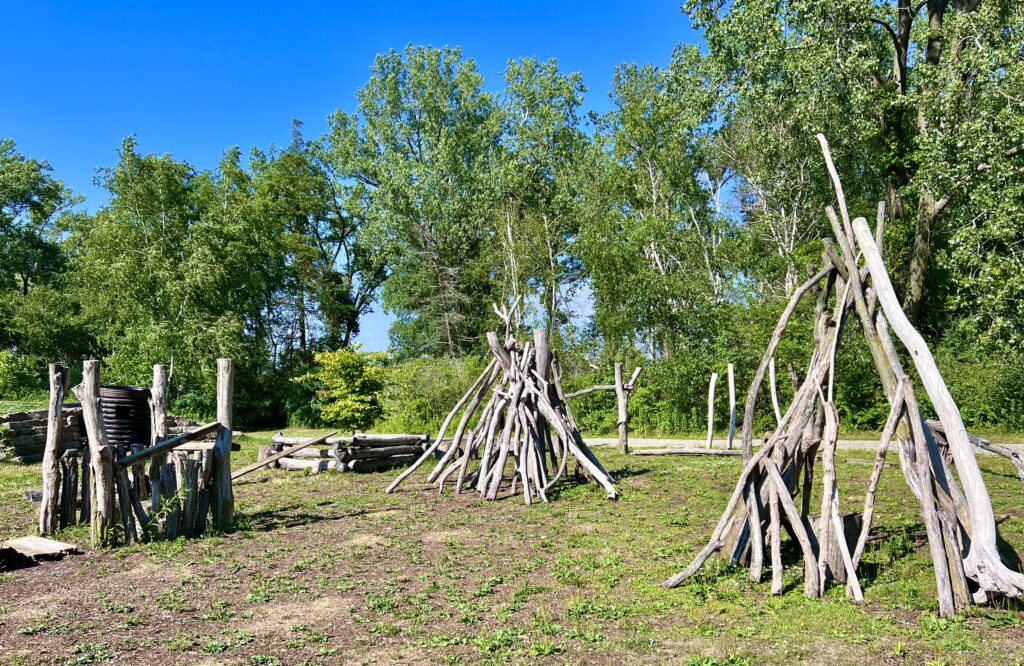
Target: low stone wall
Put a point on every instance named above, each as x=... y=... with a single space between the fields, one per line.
x=23 y=434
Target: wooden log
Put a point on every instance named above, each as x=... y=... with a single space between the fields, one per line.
x=320 y=452
x=100 y=455
x=124 y=506
x=69 y=489
x=168 y=445
x=221 y=494
x=774 y=390
x=312 y=465
x=983 y=562
x=158 y=416
x=622 y=405
x=364 y=440
x=711 y=408
x=373 y=454
x=732 y=408
x=170 y=500
x=312 y=441
x=370 y=440
x=49 y=508
x=377 y=465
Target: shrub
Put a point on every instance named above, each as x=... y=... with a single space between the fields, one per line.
x=347 y=384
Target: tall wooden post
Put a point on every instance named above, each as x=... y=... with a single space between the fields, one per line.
x=101 y=457
x=622 y=398
x=732 y=408
x=542 y=353
x=223 y=495
x=711 y=408
x=158 y=417
x=49 y=508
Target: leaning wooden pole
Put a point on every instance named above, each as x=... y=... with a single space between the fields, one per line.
x=49 y=508
x=223 y=496
x=101 y=456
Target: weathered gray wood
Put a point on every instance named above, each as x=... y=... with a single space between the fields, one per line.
x=383 y=452
x=622 y=420
x=69 y=489
x=158 y=416
x=711 y=408
x=101 y=461
x=38 y=548
x=312 y=441
x=983 y=563
x=49 y=509
x=222 y=496
x=168 y=445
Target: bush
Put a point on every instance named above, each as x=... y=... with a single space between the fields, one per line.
x=420 y=392
x=348 y=384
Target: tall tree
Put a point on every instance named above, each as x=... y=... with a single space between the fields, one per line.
x=537 y=224
x=423 y=146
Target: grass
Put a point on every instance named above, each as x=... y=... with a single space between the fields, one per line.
x=328 y=569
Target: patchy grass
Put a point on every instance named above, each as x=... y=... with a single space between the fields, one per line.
x=328 y=569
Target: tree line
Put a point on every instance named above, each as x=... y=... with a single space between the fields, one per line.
x=667 y=231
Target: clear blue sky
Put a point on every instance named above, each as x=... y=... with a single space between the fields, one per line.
x=194 y=78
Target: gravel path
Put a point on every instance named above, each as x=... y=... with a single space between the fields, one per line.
x=659 y=443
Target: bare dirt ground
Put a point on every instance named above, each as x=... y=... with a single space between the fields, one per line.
x=327 y=569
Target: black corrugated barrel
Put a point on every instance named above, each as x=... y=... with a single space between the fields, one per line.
x=126 y=415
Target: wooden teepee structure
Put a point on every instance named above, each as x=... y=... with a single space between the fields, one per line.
x=525 y=430
x=956 y=508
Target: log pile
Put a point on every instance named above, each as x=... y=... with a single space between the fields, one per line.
x=361 y=452
x=774 y=489
x=514 y=428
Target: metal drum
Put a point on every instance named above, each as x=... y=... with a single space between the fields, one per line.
x=126 y=415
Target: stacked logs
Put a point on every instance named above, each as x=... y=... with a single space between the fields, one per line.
x=358 y=453
x=774 y=489
x=515 y=428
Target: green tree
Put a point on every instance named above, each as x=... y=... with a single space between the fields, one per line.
x=422 y=144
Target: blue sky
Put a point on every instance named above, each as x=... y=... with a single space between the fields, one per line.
x=195 y=78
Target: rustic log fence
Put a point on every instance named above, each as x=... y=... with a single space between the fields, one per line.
x=185 y=481
x=623 y=390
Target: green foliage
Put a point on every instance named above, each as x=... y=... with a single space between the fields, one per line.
x=420 y=392
x=348 y=384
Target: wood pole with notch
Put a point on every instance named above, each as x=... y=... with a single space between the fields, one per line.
x=101 y=457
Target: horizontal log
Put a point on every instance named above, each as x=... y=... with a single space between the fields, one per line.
x=314 y=452
x=205 y=446
x=380 y=464
x=366 y=439
x=167 y=445
x=314 y=465
x=686 y=452
x=383 y=452
x=361 y=440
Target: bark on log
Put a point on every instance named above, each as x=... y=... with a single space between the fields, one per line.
x=983 y=563
x=49 y=509
x=711 y=408
x=100 y=456
x=158 y=416
x=222 y=495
